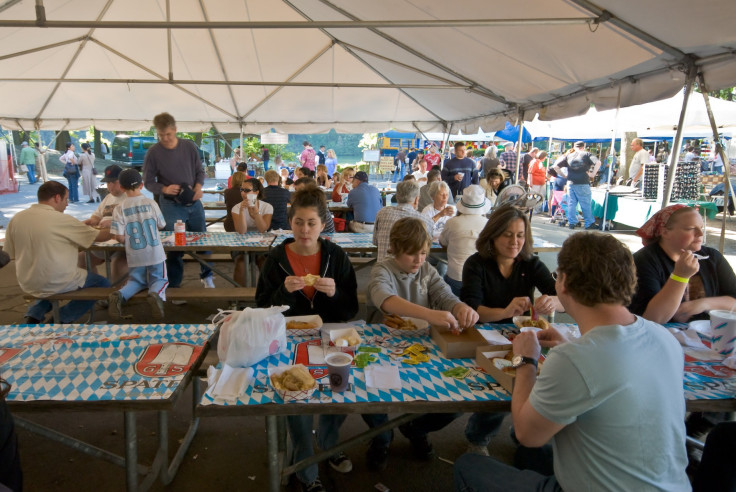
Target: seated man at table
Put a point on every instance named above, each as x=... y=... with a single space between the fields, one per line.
x=45 y=243
x=405 y=284
x=611 y=401
x=365 y=200
x=101 y=219
x=279 y=198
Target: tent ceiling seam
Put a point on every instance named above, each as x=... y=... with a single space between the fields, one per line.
x=412 y=51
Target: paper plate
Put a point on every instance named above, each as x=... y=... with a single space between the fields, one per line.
x=422 y=328
x=519 y=320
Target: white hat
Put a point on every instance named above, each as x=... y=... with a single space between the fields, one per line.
x=473 y=201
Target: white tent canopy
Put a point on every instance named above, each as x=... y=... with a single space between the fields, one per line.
x=655 y=119
x=352 y=65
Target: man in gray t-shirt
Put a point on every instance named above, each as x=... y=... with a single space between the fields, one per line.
x=173 y=170
x=611 y=402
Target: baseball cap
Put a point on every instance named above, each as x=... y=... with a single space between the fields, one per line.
x=361 y=175
x=130 y=179
x=111 y=173
x=24 y=144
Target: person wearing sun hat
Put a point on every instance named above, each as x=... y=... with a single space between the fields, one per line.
x=460 y=233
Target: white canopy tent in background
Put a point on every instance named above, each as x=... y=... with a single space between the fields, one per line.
x=655 y=119
x=355 y=66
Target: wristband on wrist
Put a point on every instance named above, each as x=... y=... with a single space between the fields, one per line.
x=682 y=280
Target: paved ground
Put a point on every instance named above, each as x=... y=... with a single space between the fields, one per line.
x=228 y=453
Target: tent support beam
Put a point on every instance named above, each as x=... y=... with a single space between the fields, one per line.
x=168 y=41
x=610 y=166
x=342 y=24
x=724 y=159
x=520 y=124
x=42 y=48
x=369 y=67
x=677 y=141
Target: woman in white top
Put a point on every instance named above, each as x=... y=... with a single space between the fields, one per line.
x=438 y=210
x=89 y=180
x=421 y=174
x=247 y=217
x=460 y=233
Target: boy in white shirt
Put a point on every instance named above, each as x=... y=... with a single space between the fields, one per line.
x=135 y=223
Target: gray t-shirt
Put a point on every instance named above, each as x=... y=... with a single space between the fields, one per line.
x=424 y=288
x=180 y=165
x=619 y=392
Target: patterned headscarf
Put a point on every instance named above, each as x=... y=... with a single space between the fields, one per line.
x=652 y=229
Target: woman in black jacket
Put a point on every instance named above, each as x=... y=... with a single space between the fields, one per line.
x=286 y=279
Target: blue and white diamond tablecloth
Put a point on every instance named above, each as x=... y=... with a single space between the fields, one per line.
x=706 y=378
x=98 y=362
x=208 y=239
x=346 y=240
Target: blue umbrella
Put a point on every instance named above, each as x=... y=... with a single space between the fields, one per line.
x=511 y=133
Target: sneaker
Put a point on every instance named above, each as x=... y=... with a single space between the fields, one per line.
x=208 y=282
x=376 y=458
x=157 y=305
x=593 y=227
x=315 y=486
x=477 y=449
x=340 y=462
x=115 y=304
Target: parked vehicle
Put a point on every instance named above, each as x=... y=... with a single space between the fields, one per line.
x=131 y=150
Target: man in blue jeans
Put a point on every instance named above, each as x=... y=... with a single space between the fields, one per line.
x=172 y=169
x=44 y=243
x=581 y=167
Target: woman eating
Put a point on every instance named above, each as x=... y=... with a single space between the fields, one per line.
x=678 y=278
x=345 y=184
x=251 y=214
x=499 y=280
x=333 y=296
x=438 y=210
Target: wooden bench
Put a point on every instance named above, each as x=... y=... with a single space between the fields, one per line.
x=235 y=294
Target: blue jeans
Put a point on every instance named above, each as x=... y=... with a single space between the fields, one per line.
x=455 y=285
x=152 y=277
x=300 y=431
x=31 y=173
x=483 y=426
x=73 y=310
x=193 y=218
x=474 y=472
x=73 y=180
x=579 y=194
x=265 y=165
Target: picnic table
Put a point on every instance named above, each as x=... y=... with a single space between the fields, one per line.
x=111 y=368
x=708 y=385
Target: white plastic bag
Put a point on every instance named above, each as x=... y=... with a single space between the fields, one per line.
x=249 y=336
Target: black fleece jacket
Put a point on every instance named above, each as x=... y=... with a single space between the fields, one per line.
x=343 y=306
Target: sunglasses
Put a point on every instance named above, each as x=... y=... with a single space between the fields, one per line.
x=246 y=190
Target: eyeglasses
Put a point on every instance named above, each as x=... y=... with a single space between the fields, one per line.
x=554 y=275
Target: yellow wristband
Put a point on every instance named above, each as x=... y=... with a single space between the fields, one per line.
x=682 y=280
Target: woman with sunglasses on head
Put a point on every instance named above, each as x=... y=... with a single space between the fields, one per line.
x=250 y=215
x=333 y=296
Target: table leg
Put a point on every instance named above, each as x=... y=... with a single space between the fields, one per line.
x=131 y=452
x=248 y=277
x=274 y=467
x=168 y=470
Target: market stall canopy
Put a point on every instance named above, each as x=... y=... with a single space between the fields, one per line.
x=655 y=119
x=352 y=65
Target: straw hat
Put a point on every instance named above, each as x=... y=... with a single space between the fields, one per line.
x=473 y=201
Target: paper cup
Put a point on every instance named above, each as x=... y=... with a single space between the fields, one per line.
x=723 y=326
x=252 y=200
x=338 y=368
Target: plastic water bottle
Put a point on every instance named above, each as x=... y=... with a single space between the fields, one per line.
x=180 y=238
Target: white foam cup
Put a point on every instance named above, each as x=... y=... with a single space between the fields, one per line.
x=723 y=327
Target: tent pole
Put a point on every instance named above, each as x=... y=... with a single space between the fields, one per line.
x=724 y=159
x=610 y=168
x=677 y=141
x=520 y=124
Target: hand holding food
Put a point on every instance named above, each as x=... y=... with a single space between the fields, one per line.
x=443 y=319
x=517 y=307
x=325 y=285
x=544 y=305
x=686 y=265
x=293 y=283
x=466 y=316
x=295 y=379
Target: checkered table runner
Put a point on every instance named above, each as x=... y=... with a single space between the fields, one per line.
x=98 y=362
x=705 y=378
x=346 y=240
x=226 y=239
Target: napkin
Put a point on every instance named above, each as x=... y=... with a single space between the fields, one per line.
x=382 y=377
x=494 y=337
x=687 y=338
x=702 y=326
x=730 y=361
x=228 y=383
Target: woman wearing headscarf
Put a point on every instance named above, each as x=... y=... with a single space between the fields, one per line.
x=679 y=278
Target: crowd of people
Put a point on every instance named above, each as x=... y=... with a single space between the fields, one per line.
x=573 y=420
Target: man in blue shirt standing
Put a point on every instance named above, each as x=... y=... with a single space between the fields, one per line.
x=459 y=172
x=365 y=200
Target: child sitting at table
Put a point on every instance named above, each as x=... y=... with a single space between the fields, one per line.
x=135 y=223
x=405 y=284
